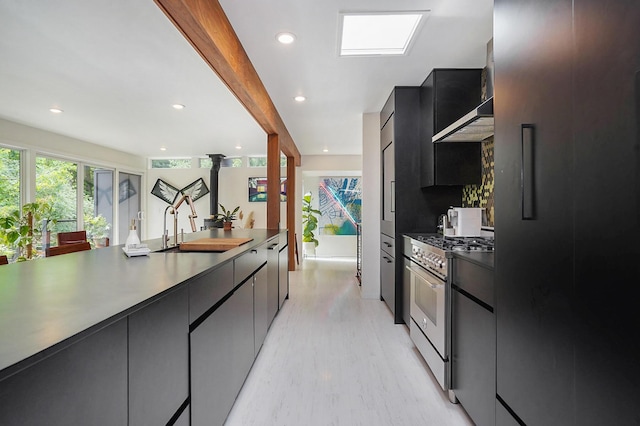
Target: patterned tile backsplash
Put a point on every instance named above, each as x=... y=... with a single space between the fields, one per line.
x=482 y=195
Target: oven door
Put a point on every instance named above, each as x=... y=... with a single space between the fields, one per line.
x=428 y=306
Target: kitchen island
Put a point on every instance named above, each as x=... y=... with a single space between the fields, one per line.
x=101 y=338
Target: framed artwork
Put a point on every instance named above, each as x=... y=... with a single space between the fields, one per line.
x=340 y=201
x=196 y=189
x=258 y=189
x=165 y=191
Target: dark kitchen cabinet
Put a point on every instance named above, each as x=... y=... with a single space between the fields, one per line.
x=208 y=289
x=566 y=160
x=260 y=308
x=159 y=359
x=445 y=96
x=388 y=272
x=222 y=352
x=473 y=346
x=273 y=246
x=405 y=205
x=85 y=383
x=606 y=117
x=283 y=274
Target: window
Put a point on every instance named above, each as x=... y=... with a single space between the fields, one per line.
x=9 y=196
x=261 y=161
x=56 y=184
x=206 y=163
x=171 y=163
x=97 y=204
x=10 y=181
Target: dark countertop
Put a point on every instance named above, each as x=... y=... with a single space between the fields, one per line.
x=48 y=304
x=481 y=258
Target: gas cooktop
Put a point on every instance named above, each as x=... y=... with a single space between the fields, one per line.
x=453 y=243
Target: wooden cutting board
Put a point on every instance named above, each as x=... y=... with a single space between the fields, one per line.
x=213 y=244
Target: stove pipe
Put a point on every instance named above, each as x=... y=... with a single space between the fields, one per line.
x=216 y=160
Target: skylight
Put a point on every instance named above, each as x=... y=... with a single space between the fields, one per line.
x=387 y=33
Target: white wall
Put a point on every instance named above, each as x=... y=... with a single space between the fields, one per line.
x=233 y=191
x=371 y=206
x=42 y=141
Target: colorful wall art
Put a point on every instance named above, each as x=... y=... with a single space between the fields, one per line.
x=340 y=201
x=258 y=189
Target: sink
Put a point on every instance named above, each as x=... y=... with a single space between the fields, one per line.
x=167 y=250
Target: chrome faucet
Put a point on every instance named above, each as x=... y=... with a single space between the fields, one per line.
x=174 y=212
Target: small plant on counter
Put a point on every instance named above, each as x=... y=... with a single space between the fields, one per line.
x=226 y=216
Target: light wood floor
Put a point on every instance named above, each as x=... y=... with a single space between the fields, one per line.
x=333 y=358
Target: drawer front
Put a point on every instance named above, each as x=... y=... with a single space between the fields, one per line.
x=388 y=244
x=207 y=290
x=251 y=261
x=475 y=280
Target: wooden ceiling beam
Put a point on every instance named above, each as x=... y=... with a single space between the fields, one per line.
x=205 y=25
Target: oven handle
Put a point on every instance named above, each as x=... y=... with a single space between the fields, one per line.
x=423 y=274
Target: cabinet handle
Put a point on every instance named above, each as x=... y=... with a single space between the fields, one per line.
x=387 y=244
x=273 y=246
x=254 y=251
x=387 y=259
x=526 y=171
x=393 y=195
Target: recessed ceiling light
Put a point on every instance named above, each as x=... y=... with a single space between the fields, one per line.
x=325 y=150
x=178 y=106
x=238 y=147
x=384 y=33
x=56 y=110
x=286 y=38
x=162 y=148
x=300 y=99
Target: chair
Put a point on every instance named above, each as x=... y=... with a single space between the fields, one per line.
x=4 y=260
x=72 y=237
x=67 y=248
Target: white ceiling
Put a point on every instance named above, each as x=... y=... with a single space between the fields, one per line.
x=116 y=67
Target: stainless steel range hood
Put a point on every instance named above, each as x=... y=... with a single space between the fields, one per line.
x=475 y=126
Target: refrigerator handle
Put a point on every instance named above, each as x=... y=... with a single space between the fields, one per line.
x=527 y=189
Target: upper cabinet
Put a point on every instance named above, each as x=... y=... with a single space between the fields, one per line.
x=445 y=96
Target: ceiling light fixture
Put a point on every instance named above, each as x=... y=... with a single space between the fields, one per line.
x=162 y=148
x=286 y=38
x=325 y=150
x=178 y=106
x=300 y=98
x=382 y=33
x=238 y=147
x=56 y=110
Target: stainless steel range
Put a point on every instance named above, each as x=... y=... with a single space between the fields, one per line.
x=428 y=269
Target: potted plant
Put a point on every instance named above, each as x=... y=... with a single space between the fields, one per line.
x=309 y=224
x=19 y=230
x=97 y=229
x=226 y=216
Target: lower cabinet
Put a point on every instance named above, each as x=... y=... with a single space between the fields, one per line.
x=283 y=274
x=261 y=315
x=84 y=384
x=159 y=359
x=474 y=341
x=222 y=352
x=272 y=265
x=184 y=419
x=388 y=280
